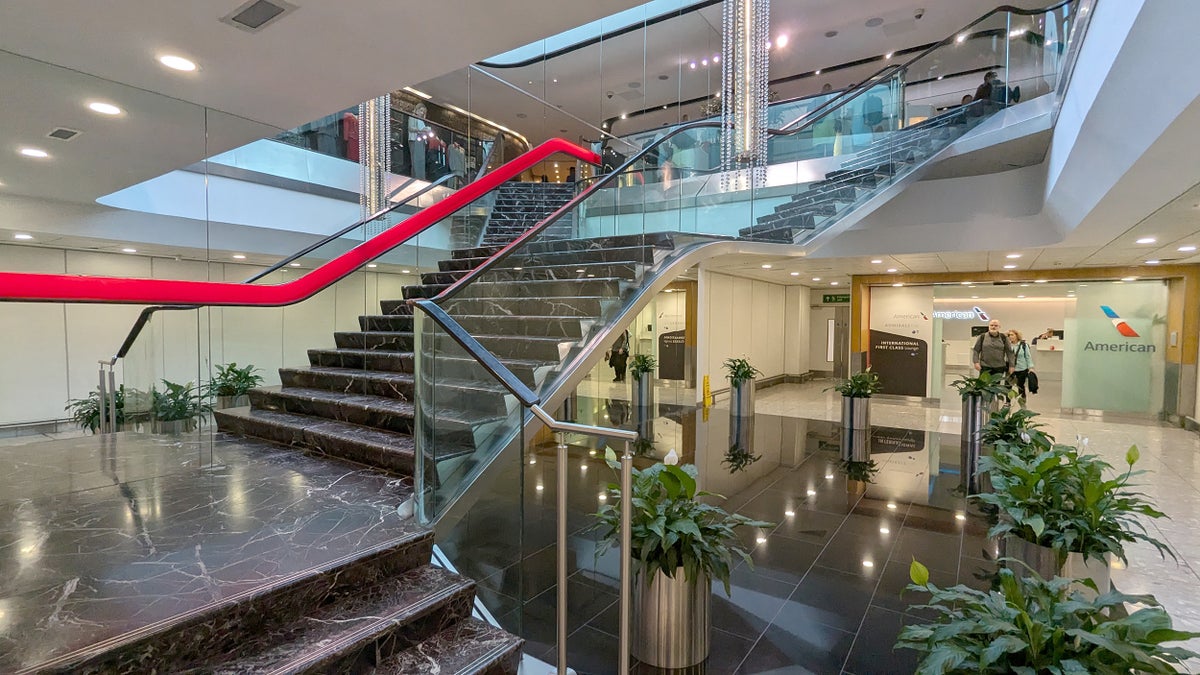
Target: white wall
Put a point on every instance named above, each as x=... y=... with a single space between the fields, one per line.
x=819 y=341
x=759 y=321
x=49 y=351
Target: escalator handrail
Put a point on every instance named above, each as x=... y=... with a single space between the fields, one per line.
x=37 y=287
x=887 y=71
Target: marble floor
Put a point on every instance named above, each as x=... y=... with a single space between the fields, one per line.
x=824 y=593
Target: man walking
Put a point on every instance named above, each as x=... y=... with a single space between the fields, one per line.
x=993 y=353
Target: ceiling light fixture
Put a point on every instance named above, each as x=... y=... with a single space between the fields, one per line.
x=293 y=264
x=795 y=274
x=177 y=63
x=833 y=283
x=816 y=278
x=406 y=271
x=1187 y=249
x=692 y=65
x=891 y=269
x=104 y=108
x=239 y=256
x=22 y=237
x=876 y=262
x=372 y=265
x=129 y=250
x=1039 y=281
x=1146 y=240
x=1128 y=278
x=897 y=285
x=781 y=41
x=1013 y=256
x=888 y=55
x=960 y=39
x=1020 y=296
x=817 y=72
x=1010 y=267
x=37 y=153
x=1153 y=262
x=766 y=267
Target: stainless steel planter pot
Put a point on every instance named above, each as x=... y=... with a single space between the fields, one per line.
x=643 y=393
x=856 y=429
x=1040 y=559
x=1045 y=562
x=741 y=399
x=670 y=620
x=974 y=414
x=224 y=402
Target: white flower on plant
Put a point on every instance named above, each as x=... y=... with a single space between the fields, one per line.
x=1025 y=436
x=672 y=458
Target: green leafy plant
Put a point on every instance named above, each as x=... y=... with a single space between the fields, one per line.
x=1031 y=626
x=859 y=385
x=985 y=384
x=642 y=447
x=87 y=412
x=860 y=471
x=177 y=402
x=739 y=370
x=231 y=380
x=1015 y=428
x=1061 y=499
x=641 y=364
x=738 y=459
x=671 y=527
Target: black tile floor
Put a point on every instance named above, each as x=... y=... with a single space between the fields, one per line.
x=824 y=592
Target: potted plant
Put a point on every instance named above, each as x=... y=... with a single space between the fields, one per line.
x=1014 y=427
x=1034 y=625
x=231 y=385
x=642 y=367
x=1060 y=514
x=858 y=474
x=679 y=544
x=87 y=412
x=176 y=409
x=741 y=376
x=977 y=394
x=856 y=393
x=739 y=458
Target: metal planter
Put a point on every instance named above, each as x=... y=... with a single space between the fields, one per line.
x=1046 y=562
x=856 y=429
x=671 y=620
x=974 y=414
x=225 y=402
x=741 y=399
x=643 y=394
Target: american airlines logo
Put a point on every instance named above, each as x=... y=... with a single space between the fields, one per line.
x=975 y=314
x=1122 y=327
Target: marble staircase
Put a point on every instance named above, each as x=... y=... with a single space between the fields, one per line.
x=863 y=175
x=519 y=206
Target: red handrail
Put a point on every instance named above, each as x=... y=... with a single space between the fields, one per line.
x=24 y=287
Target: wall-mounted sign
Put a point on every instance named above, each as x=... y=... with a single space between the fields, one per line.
x=974 y=314
x=835 y=298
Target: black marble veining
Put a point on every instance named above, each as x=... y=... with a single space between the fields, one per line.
x=109 y=547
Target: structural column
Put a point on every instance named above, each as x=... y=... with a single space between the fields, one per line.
x=745 y=74
x=374 y=157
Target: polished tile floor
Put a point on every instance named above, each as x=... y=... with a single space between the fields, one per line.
x=824 y=593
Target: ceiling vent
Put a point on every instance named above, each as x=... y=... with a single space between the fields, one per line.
x=63 y=134
x=257 y=14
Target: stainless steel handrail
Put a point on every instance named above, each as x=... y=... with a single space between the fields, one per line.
x=530 y=401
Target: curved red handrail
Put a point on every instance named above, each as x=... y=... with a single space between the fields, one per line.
x=24 y=287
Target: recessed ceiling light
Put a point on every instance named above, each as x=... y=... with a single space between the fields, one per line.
x=766 y=267
x=960 y=38
x=23 y=237
x=970 y=287
x=1128 y=278
x=888 y=55
x=129 y=250
x=35 y=152
x=892 y=505
x=692 y=65
x=897 y=285
x=974 y=297
x=177 y=63
x=1146 y=240
x=1010 y=267
x=1153 y=262
x=868 y=563
x=761 y=540
x=795 y=274
x=1020 y=296
x=876 y=262
x=104 y=108
x=405 y=271
x=1024 y=285
x=293 y=264
x=239 y=256
x=960 y=516
x=781 y=41
x=1187 y=249
x=891 y=269
x=372 y=265
x=1082 y=285
x=816 y=278
x=1013 y=256
x=1039 y=281
x=833 y=283
x=966 y=283
x=884 y=530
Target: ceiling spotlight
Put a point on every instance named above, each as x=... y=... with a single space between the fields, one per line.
x=1020 y=296
x=897 y=285
x=1039 y=281
x=293 y=264
x=892 y=505
x=816 y=278
x=104 y=108
x=966 y=283
x=876 y=262
x=1128 y=278
x=766 y=267
x=795 y=274
x=960 y=38
x=372 y=265
x=717 y=58
x=239 y=256
x=888 y=55
x=833 y=283
x=884 y=530
x=1013 y=256
x=406 y=271
x=974 y=297
x=555 y=80
x=704 y=62
x=1153 y=262
x=692 y=65
x=35 y=152
x=781 y=41
x=817 y=71
x=22 y=237
x=177 y=63
x=960 y=516
x=891 y=269
x=1024 y=285
x=868 y=563
x=1010 y=267
x=129 y=250
x=1187 y=249
x=1146 y=240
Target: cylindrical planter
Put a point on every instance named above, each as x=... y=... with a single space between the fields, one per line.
x=671 y=620
x=240 y=401
x=173 y=426
x=1040 y=559
x=643 y=391
x=856 y=429
x=855 y=487
x=741 y=399
x=1099 y=571
x=974 y=414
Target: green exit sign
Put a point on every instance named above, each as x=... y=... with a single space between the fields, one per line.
x=835 y=298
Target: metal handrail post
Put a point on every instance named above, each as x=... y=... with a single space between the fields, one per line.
x=102 y=428
x=561 y=611
x=626 y=557
x=112 y=396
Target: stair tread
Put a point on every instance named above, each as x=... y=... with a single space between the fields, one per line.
x=349 y=624
x=368 y=401
x=390 y=441
x=467 y=648
x=378 y=375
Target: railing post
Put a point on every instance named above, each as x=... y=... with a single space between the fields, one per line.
x=102 y=428
x=112 y=396
x=561 y=611
x=623 y=601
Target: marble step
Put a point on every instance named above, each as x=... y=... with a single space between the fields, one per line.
x=534 y=326
x=467 y=369
x=379 y=341
x=803 y=220
x=658 y=239
x=390 y=385
x=581 y=306
x=386 y=322
x=272 y=595
x=534 y=288
x=643 y=255
x=468 y=648
x=881 y=170
x=618 y=270
x=376 y=412
x=385 y=450
x=361 y=359
x=361 y=629
x=794 y=210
